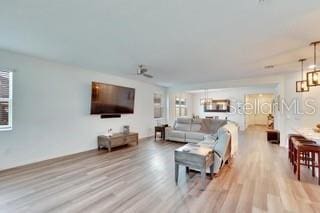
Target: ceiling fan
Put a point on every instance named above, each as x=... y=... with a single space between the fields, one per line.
x=142 y=70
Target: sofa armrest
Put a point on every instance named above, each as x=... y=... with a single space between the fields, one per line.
x=211 y=137
x=223 y=145
x=168 y=129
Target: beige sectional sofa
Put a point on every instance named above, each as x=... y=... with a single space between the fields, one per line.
x=205 y=132
x=192 y=130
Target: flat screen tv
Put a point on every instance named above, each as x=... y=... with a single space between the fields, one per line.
x=111 y=99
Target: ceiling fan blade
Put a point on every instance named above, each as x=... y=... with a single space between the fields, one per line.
x=147 y=75
x=144 y=70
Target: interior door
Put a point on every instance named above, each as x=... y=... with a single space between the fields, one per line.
x=250 y=115
x=261 y=108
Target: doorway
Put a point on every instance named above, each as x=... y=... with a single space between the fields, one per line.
x=259 y=109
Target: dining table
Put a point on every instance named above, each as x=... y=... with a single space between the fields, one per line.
x=309 y=133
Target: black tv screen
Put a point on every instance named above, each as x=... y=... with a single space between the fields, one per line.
x=111 y=99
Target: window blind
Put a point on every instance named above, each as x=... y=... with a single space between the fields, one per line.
x=157 y=106
x=4 y=99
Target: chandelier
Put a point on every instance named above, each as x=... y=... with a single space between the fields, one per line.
x=313 y=78
x=205 y=100
x=302 y=85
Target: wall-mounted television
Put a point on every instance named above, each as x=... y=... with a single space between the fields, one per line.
x=111 y=99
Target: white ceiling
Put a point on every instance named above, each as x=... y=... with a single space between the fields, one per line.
x=182 y=41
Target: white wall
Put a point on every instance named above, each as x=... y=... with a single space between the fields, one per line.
x=236 y=96
x=51 y=110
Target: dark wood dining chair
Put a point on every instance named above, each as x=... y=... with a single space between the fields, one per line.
x=306 y=153
x=290 y=145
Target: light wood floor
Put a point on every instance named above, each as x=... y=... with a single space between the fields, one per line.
x=141 y=179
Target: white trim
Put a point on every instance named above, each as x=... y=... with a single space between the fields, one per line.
x=2 y=129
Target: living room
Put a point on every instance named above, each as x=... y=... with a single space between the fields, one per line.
x=86 y=87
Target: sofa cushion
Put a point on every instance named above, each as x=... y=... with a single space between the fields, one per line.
x=211 y=126
x=182 y=127
x=197 y=121
x=176 y=134
x=211 y=137
x=184 y=120
x=198 y=136
x=183 y=124
x=195 y=127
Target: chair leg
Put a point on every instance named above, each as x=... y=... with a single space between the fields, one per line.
x=298 y=165
x=313 y=163
x=294 y=161
x=318 y=168
x=289 y=150
x=305 y=159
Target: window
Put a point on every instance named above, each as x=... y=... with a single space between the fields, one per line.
x=5 y=100
x=181 y=107
x=157 y=103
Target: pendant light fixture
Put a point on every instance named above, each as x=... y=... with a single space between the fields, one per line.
x=205 y=100
x=204 y=97
x=313 y=78
x=302 y=86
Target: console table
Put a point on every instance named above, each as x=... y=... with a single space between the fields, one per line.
x=273 y=136
x=117 y=139
x=196 y=157
x=160 y=129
